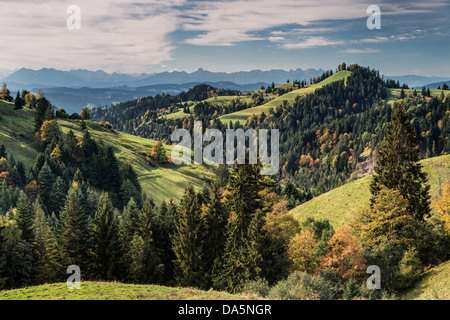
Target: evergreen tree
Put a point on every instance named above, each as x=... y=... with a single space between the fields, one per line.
x=24 y=217
x=106 y=240
x=128 y=227
x=16 y=262
x=187 y=242
x=215 y=217
x=74 y=234
x=145 y=264
x=57 y=195
x=45 y=248
x=398 y=167
x=3 y=153
x=241 y=259
x=45 y=182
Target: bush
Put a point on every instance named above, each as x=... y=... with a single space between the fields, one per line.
x=302 y=286
x=258 y=287
x=410 y=268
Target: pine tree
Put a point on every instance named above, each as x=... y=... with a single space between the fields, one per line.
x=187 y=242
x=145 y=264
x=24 y=217
x=16 y=262
x=45 y=182
x=45 y=248
x=74 y=234
x=128 y=227
x=106 y=240
x=398 y=167
x=241 y=256
x=215 y=218
x=57 y=195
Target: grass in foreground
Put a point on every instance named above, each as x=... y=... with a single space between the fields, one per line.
x=114 y=291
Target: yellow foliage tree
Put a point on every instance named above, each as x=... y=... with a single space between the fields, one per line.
x=442 y=207
x=301 y=251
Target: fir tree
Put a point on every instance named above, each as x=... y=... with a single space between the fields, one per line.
x=145 y=264
x=45 y=248
x=106 y=240
x=240 y=261
x=24 y=217
x=398 y=167
x=215 y=218
x=187 y=242
x=74 y=234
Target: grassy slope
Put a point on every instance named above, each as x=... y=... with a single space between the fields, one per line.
x=341 y=204
x=242 y=115
x=160 y=182
x=434 y=284
x=114 y=291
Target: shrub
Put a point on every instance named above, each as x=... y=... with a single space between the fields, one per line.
x=302 y=286
x=259 y=287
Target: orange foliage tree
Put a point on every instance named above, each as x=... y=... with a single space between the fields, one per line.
x=345 y=256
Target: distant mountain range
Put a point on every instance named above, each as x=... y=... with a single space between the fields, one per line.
x=45 y=78
x=419 y=82
x=76 y=88
x=73 y=99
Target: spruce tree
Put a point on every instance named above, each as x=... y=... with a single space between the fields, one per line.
x=187 y=242
x=45 y=248
x=398 y=167
x=106 y=241
x=128 y=227
x=240 y=260
x=25 y=217
x=145 y=264
x=215 y=218
x=74 y=235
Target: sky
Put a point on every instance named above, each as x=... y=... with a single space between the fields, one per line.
x=165 y=35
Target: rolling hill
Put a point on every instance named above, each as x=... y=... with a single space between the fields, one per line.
x=341 y=204
x=242 y=115
x=160 y=182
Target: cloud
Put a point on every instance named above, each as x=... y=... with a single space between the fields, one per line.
x=360 y=51
x=126 y=36
x=312 y=42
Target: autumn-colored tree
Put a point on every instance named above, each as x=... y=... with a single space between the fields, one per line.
x=3 y=165
x=388 y=220
x=85 y=114
x=345 y=256
x=5 y=93
x=158 y=153
x=442 y=207
x=301 y=251
x=50 y=130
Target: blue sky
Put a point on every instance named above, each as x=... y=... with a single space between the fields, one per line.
x=152 y=36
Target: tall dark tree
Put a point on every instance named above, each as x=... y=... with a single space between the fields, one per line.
x=187 y=242
x=215 y=218
x=241 y=259
x=74 y=235
x=25 y=217
x=106 y=241
x=398 y=167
